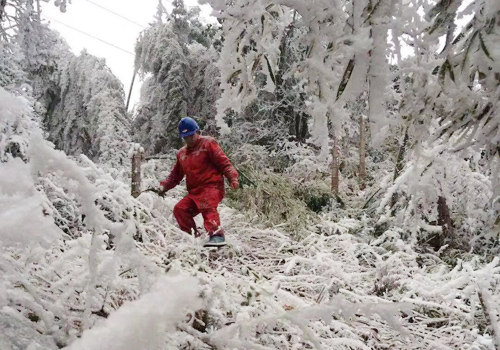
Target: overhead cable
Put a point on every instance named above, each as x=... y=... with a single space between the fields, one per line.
x=89 y=35
x=116 y=14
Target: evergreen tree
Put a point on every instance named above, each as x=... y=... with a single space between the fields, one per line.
x=90 y=117
x=180 y=23
x=165 y=94
x=204 y=86
x=178 y=62
x=78 y=99
x=45 y=52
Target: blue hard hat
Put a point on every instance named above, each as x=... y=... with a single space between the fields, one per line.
x=187 y=127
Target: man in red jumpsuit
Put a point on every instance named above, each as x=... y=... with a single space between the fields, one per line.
x=204 y=164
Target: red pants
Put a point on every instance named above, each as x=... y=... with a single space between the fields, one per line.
x=204 y=201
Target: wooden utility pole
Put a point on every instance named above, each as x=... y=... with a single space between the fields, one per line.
x=335 y=167
x=131 y=88
x=362 y=153
x=137 y=160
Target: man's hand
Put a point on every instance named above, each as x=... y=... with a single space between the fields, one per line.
x=235 y=184
x=161 y=191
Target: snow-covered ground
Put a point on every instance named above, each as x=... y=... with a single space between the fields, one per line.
x=370 y=216
x=265 y=290
x=86 y=266
x=268 y=291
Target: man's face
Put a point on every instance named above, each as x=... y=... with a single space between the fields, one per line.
x=191 y=140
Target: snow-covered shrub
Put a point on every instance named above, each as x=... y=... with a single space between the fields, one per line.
x=246 y=155
x=17 y=123
x=436 y=174
x=58 y=220
x=12 y=75
x=303 y=161
x=24 y=212
x=283 y=184
x=146 y=322
x=316 y=196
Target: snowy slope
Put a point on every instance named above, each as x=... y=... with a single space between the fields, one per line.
x=266 y=291
x=89 y=267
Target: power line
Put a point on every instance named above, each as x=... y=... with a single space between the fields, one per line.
x=116 y=14
x=90 y=35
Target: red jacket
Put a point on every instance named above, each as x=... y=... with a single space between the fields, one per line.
x=204 y=165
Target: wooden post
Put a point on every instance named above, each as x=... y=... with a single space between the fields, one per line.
x=137 y=160
x=335 y=167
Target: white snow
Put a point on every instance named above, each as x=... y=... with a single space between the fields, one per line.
x=85 y=266
x=144 y=323
x=24 y=218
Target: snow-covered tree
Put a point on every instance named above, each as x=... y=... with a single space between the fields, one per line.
x=33 y=47
x=161 y=12
x=441 y=107
x=178 y=65
x=180 y=24
x=204 y=85
x=78 y=98
x=165 y=93
x=12 y=12
x=470 y=81
x=44 y=53
x=89 y=114
x=12 y=75
x=332 y=69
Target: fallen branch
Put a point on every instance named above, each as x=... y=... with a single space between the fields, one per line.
x=489 y=316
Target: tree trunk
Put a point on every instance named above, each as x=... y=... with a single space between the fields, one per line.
x=489 y=315
x=137 y=159
x=444 y=219
x=335 y=167
x=285 y=110
x=399 y=165
x=38 y=10
x=362 y=154
x=301 y=129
